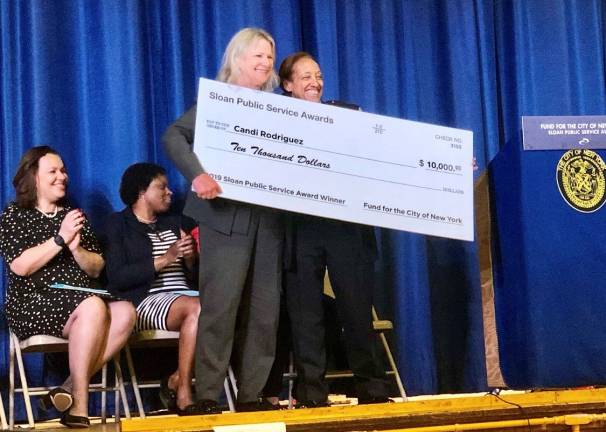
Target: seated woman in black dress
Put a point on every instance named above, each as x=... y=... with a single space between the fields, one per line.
x=45 y=243
x=148 y=258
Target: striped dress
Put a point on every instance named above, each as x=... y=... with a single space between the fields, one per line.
x=169 y=285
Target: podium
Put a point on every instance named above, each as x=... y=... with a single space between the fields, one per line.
x=549 y=265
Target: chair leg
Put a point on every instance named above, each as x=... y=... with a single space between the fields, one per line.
x=229 y=396
x=231 y=389
x=11 y=383
x=104 y=394
x=393 y=366
x=3 y=423
x=24 y=386
x=133 y=380
x=232 y=380
x=291 y=379
x=116 y=402
x=390 y=359
x=120 y=390
x=116 y=391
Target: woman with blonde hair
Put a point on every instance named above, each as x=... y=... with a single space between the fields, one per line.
x=240 y=256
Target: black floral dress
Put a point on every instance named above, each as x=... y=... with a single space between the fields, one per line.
x=32 y=306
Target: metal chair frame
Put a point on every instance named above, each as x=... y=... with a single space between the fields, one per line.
x=3 y=422
x=160 y=339
x=47 y=344
x=379 y=326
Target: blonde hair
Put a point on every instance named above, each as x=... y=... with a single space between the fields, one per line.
x=239 y=43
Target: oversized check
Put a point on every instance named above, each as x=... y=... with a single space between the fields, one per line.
x=338 y=163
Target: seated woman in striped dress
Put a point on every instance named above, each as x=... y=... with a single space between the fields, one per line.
x=148 y=258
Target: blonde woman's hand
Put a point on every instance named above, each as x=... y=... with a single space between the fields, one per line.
x=206 y=187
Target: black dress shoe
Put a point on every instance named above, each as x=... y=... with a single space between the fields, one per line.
x=258 y=405
x=59 y=398
x=310 y=403
x=168 y=396
x=208 y=406
x=74 y=421
x=189 y=410
x=373 y=400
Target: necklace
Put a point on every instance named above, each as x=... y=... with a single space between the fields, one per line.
x=146 y=221
x=49 y=215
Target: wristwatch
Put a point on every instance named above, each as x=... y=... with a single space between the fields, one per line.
x=59 y=240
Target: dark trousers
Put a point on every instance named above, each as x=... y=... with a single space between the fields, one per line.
x=320 y=244
x=240 y=278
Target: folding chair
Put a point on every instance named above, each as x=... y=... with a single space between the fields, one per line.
x=379 y=326
x=47 y=344
x=161 y=339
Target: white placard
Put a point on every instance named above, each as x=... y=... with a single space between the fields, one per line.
x=334 y=162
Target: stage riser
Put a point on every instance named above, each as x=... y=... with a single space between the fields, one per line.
x=421 y=413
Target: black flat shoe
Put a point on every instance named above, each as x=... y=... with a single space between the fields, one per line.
x=74 y=421
x=373 y=400
x=189 y=410
x=59 y=398
x=168 y=396
x=208 y=406
x=258 y=405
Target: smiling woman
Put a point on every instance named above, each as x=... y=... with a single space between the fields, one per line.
x=241 y=244
x=44 y=243
x=346 y=252
x=304 y=77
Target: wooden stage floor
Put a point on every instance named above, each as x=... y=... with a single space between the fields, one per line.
x=561 y=410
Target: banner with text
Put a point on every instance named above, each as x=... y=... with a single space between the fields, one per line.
x=563 y=132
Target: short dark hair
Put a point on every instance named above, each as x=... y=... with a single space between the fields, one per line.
x=136 y=179
x=288 y=64
x=24 y=181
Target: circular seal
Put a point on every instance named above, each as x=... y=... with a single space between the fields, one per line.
x=581 y=179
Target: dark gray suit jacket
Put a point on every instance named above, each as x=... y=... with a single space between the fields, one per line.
x=218 y=214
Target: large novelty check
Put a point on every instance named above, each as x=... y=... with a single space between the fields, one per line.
x=338 y=163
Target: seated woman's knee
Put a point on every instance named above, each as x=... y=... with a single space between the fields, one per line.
x=193 y=307
x=123 y=315
x=94 y=307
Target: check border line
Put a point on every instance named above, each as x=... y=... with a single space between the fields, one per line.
x=322 y=150
x=325 y=170
x=282 y=194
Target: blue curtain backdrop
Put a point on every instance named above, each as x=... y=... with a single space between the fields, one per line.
x=100 y=81
x=549 y=264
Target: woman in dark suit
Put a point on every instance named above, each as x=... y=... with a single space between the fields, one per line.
x=148 y=259
x=347 y=250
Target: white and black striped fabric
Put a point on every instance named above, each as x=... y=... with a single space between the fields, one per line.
x=152 y=312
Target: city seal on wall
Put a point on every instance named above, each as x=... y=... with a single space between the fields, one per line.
x=581 y=179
